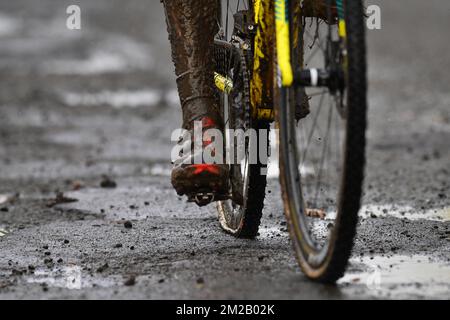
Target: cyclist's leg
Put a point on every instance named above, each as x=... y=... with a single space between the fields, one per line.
x=192 y=26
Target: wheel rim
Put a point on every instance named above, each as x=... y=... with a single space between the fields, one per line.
x=231 y=214
x=316 y=157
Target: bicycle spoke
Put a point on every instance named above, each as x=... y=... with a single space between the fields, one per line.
x=311 y=133
x=319 y=44
x=315 y=94
x=322 y=161
x=226 y=19
x=338 y=138
x=312 y=55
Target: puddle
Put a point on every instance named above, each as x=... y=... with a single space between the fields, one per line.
x=160 y=171
x=69 y=277
x=405 y=212
x=116 y=99
x=172 y=99
x=3 y=232
x=273 y=171
x=400 y=212
x=6 y=198
x=8 y=25
x=97 y=63
x=116 y=54
x=401 y=276
x=384 y=210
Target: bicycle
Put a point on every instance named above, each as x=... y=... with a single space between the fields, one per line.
x=278 y=63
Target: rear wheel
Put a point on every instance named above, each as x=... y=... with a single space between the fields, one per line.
x=241 y=215
x=322 y=155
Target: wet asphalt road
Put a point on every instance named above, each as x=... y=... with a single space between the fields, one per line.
x=78 y=105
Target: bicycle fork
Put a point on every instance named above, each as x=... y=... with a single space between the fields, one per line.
x=331 y=77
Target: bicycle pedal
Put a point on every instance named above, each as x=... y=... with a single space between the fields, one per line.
x=203 y=199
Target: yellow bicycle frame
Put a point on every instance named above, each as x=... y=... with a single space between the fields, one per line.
x=262 y=83
x=272 y=66
x=283 y=42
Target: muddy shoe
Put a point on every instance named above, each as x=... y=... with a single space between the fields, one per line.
x=202 y=181
x=192 y=26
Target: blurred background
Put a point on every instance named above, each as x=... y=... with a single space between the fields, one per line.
x=81 y=106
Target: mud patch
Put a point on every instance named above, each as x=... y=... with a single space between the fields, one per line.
x=266 y=233
x=134 y=200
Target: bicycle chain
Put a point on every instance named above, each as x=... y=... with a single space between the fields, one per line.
x=245 y=103
x=224 y=62
x=246 y=79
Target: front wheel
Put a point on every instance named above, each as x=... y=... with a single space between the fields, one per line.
x=322 y=152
